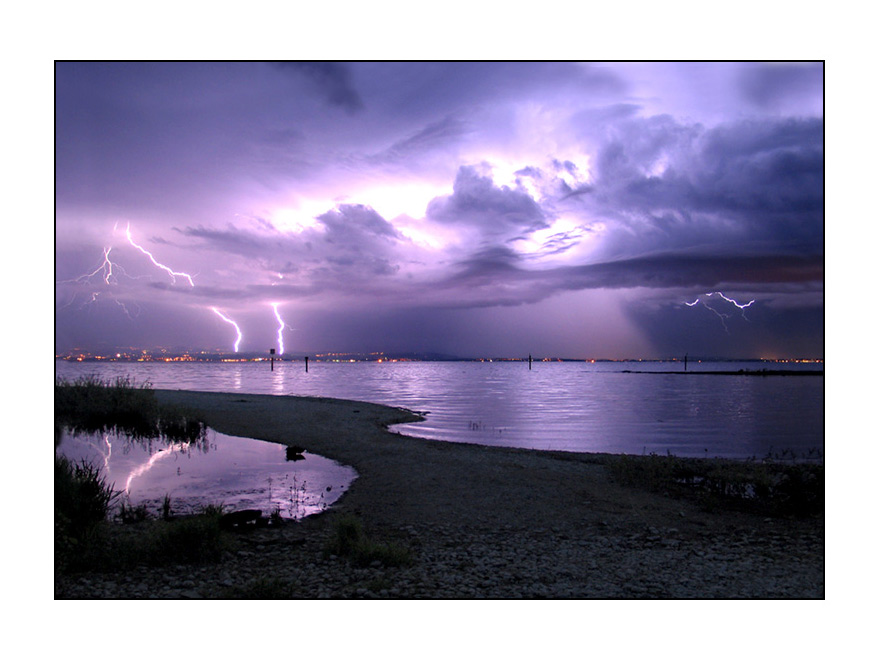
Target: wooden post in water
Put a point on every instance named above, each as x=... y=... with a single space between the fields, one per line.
x=530 y=361
x=307 y=364
x=271 y=359
x=685 y=361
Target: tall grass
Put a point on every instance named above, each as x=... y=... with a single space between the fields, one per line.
x=82 y=501
x=89 y=404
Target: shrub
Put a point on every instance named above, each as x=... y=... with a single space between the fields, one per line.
x=349 y=540
x=766 y=488
x=191 y=540
x=82 y=501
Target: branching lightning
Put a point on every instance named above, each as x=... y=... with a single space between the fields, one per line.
x=174 y=275
x=731 y=300
x=722 y=316
x=233 y=323
x=109 y=272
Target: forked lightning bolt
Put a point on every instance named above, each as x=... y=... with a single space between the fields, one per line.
x=174 y=275
x=741 y=306
x=233 y=323
x=108 y=271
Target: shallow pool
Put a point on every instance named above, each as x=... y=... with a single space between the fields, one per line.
x=237 y=473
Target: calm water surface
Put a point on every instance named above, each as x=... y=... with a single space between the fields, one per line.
x=572 y=406
x=239 y=473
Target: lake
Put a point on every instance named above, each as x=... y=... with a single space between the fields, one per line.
x=572 y=406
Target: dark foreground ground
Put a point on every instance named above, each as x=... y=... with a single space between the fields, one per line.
x=476 y=522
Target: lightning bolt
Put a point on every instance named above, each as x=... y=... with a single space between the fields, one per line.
x=174 y=275
x=731 y=300
x=233 y=323
x=281 y=326
x=107 y=266
x=723 y=317
x=107 y=271
x=174 y=448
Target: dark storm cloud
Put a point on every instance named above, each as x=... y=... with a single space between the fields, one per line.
x=666 y=185
x=332 y=79
x=347 y=247
x=499 y=276
x=420 y=89
x=766 y=85
x=764 y=168
x=569 y=182
x=477 y=202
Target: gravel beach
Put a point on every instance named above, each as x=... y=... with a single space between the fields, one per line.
x=480 y=522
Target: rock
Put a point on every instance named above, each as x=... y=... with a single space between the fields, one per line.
x=236 y=519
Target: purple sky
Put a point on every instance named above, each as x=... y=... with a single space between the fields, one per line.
x=473 y=209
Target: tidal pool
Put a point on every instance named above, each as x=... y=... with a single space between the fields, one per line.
x=237 y=473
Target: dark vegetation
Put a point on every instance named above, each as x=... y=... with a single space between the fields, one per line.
x=84 y=538
x=89 y=405
x=349 y=540
x=769 y=488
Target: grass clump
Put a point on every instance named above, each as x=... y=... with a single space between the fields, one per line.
x=765 y=488
x=82 y=500
x=89 y=404
x=349 y=540
x=191 y=540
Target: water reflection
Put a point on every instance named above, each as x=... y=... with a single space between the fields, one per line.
x=239 y=473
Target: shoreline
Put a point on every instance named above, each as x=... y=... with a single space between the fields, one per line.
x=741 y=372
x=486 y=521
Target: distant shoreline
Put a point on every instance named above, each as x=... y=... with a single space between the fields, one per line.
x=741 y=372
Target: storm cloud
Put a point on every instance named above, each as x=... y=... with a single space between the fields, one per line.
x=382 y=191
